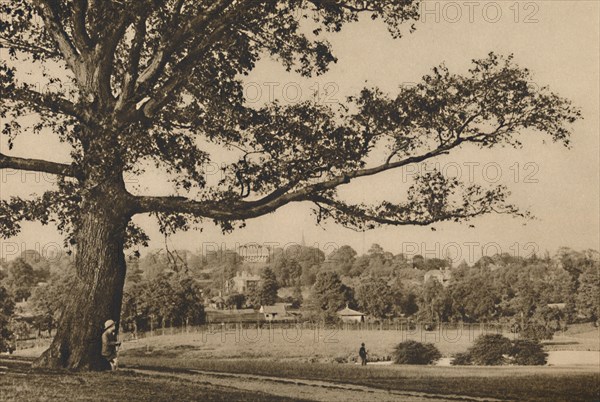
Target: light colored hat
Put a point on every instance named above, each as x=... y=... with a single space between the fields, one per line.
x=108 y=324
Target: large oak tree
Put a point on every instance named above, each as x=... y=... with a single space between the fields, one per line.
x=134 y=83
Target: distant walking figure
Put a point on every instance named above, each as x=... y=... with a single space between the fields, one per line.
x=109 y=344
x=362 y=352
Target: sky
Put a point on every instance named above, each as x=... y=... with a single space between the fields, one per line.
x=557 y=40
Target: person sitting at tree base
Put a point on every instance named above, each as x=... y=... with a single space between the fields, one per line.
x=110 y=344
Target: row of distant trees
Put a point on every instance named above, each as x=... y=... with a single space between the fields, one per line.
x=295 y=265
x=162 y=293
x=545 y=293
x=166 y=300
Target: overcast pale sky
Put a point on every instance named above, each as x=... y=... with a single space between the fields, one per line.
x=557 y=40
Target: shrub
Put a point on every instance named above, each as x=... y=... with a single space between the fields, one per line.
x=413 y=352
x=535 y=331
x=488 y=350
x=462 y=359
x=528 y=352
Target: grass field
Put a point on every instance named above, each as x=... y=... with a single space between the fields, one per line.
x=300 y=344
x=315 y=354
x=313 y=344
x=21 y=384
x=512 y=383
x=311 y=354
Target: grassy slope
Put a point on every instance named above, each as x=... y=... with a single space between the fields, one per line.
x=307 y=344
x=272 y=355
x=22 y=384
x=516 y=383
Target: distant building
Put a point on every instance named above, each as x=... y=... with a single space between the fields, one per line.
x=559 y=306
x=443 y=277
x=349 y=315
x=278 y=312
x=244 y=282
x=254 y=253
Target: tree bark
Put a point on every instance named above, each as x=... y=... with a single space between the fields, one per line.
x=97 y=295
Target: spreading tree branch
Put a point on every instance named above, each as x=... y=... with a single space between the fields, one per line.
x=48 y=10
x=51 y=102
x=36 y=165
x=240 y=210
x=172 y=41
x=80 y=33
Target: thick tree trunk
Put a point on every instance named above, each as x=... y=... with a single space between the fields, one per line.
x=100 y=263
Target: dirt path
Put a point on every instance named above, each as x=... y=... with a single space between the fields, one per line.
x=305 y=389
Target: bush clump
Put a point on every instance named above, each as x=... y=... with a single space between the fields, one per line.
x=536 y=331
x=413 y=352
x=528 y=352
x=490 y=350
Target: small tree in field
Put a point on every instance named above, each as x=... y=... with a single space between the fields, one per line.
x=528 y=352
x=138 y=83
x=413 y=352
x=489 y=350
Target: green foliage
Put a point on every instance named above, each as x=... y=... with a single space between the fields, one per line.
x=329 y=295
x=267 y=288
x=434 y=303
x=235 y=301
x=587 y=299
x=7 y=306
x=408 y=304
x=536 y=331
x=296 y=264
x=473 y=295
x=528 y=352
x=488 y=350
x=376 y=298
x=21 y=278
x=413 y=352
x=342 y=259
x=48 y=301
x=164 y=300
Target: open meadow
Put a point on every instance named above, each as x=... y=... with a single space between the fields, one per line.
x=198 y=362
x=310 y=343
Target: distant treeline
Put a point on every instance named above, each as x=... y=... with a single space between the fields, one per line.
x=173 y=288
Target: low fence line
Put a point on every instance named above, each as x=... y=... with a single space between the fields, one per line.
x=411 y=328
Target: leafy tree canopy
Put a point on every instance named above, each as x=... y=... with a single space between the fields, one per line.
x=151 y=81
